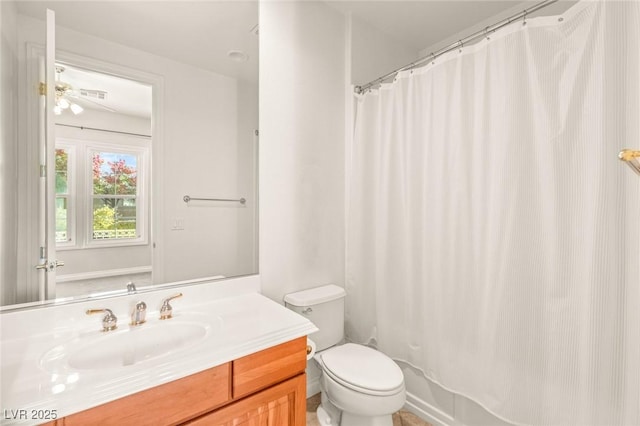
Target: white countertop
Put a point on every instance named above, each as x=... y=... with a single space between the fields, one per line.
x=246 y=322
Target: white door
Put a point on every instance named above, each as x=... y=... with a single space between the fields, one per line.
x=47 y=189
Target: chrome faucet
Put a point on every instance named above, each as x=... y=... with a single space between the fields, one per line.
x=109 y=321
x=139 y=313
x=166 y=311
x=131 y=287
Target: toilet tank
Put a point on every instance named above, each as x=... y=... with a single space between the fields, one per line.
x=324 y=307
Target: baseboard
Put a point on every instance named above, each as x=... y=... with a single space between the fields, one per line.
x=65 y=278
x=427 y=412
x=420 y=408
x=313 y=387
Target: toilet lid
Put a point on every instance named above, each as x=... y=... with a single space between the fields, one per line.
x=363 y=367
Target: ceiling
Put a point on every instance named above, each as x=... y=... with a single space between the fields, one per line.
x=199 y=33
x=122 y=96
x=420 y=24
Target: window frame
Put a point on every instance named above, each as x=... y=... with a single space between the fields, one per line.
x=81 y=224
x=71 y=194
x=141 y=197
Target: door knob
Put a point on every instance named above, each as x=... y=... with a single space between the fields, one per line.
x=50 y=266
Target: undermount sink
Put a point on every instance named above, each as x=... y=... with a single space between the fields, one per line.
x=126 y=346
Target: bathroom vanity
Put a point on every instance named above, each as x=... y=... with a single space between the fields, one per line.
x=228 y=356
x=265 y=388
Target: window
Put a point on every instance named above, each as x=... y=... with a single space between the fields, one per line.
x=110 y=203
x=64 y=228
x=114 y=195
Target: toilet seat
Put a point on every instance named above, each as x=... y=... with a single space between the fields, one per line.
x=363 y=370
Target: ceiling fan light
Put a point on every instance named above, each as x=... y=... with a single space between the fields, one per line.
x=76 y=109
x=63 y=103
x=57 y=110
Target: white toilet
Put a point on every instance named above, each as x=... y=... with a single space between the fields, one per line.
x=360 y=386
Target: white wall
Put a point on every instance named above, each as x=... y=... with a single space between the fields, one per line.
x=553 y=9
x=104 y=120
x=305 y=120
x=200 y=154
x=374 y=53
x=248 y=176
x=8 y=152
x=302 y=119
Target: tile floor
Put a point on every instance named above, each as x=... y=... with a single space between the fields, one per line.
x=401 y=418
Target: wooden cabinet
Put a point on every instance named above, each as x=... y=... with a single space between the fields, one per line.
x=267 y=388
x=281 y=405
x=262 y=369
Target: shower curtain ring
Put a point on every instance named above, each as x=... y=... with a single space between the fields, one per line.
x=486 y=33
x=433 y=58
x=461 y=46
x=524 y=18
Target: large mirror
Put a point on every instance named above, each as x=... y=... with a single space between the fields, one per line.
x=152 y=171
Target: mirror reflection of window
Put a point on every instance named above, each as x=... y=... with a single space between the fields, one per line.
x=103 y=164
x=109 y=196
x=205 y=121
x=115 y=193
x=63 y=195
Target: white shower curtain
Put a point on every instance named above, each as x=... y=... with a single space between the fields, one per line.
x=493 y=235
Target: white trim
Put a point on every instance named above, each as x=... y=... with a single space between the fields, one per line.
x=83 y=195
x=415 y=405
x=28 y=203
x=427 y=412
x=141 y=197
x=101 y=274
x=71 y=195
x=313 y=386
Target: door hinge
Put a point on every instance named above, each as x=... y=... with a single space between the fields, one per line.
x=43 y=170
x=43 y=252
x=42 y=89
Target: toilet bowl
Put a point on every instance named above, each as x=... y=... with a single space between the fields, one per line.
x=365 y=385
x=360 y=386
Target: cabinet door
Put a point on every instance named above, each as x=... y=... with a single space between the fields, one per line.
x=281 y=405
x=262 y=369
x=168 y=404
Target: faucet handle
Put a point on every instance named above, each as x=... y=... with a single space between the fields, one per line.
x=139 y=313
x=109 y=321
x=166 y=311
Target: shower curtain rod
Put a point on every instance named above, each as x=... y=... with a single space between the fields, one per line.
x=458 y=44
x=102 y=130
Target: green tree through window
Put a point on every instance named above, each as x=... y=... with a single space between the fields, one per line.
x=115 y=191
x=62 y=195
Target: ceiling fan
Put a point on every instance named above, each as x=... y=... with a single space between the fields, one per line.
x=67 y=97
